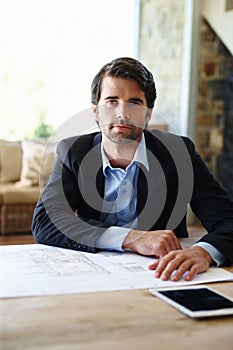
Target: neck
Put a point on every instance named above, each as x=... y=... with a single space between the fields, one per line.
x=119 y=155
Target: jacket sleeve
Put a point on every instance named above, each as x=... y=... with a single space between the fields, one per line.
x=56 y=220
x=212 y=205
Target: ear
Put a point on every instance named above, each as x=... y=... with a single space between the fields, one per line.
x=95 y=111
x=149 y=114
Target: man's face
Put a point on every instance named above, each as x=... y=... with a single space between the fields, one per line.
x=122 y=111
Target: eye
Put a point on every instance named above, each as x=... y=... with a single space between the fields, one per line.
x=135 y=103
x=112 y=102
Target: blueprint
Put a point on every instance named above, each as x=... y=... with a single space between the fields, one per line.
x=35 y=269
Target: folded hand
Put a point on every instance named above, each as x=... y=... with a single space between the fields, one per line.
x=157 y=243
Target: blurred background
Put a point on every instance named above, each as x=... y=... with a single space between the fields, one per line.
x=50 y=51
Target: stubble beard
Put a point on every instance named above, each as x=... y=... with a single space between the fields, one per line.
x=120 y=137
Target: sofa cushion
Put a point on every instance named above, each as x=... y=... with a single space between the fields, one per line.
x=10 y=161
x=38 y=161
x=10 y=194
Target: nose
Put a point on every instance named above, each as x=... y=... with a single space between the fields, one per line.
x=122 y=111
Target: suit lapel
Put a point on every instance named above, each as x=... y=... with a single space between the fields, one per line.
x=99 y=165
x=152 y=186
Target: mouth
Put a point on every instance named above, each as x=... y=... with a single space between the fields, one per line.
x=121 y=126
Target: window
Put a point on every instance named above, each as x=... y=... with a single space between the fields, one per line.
x=50 y=52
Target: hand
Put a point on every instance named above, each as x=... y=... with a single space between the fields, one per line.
x=192 y=260
x=157 y=243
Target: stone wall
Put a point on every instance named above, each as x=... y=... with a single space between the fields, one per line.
x=160 y=49
x=213 y=66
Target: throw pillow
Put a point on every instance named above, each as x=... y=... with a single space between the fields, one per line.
x=10 y=160
x=38 y=161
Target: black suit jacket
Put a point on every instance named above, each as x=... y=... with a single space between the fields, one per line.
x=67 y=214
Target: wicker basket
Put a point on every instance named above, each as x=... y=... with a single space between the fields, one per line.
x=16 y=217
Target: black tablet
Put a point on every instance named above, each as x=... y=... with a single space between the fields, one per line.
x=196 y=301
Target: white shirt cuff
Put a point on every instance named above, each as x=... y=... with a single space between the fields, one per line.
x=113 y=238
x=215 y=254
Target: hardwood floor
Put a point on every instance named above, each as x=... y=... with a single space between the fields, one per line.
x=27 y=238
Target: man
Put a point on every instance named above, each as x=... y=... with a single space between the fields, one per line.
x=125 y=188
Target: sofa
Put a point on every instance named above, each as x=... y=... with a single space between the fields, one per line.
x=25 y=167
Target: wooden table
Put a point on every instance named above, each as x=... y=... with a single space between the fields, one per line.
x=109 y=320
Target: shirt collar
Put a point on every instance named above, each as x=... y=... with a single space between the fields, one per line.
x=140 y=156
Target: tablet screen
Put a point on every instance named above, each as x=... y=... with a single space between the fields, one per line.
x=198 y=299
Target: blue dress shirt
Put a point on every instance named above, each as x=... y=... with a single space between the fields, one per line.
x=120 y=203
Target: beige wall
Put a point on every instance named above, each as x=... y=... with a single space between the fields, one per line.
x=220 y=20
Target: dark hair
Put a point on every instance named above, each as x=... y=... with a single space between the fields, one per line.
x=126 y=68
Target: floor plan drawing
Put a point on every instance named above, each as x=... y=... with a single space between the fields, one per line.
x=36 y=269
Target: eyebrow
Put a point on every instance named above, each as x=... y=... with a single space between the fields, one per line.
x=111 y=98
x=132 y=99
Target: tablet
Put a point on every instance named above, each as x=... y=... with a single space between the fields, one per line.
x=196 y=302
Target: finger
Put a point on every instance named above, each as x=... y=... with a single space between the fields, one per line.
x=192 y=273
x=173 y=241
x=166 y=266
x=186 y=266
x=168 y=244
x=175 y=268
x=176 y=243
x=163 y=248
x=164 y=243
x=154 y=265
